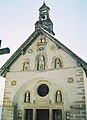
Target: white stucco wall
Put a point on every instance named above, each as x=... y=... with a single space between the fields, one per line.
x=19 y=81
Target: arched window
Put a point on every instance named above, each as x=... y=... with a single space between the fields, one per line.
x=58 y=97
x=41 y=62
x=26 y=66
x=57 y=63
x=27 y=97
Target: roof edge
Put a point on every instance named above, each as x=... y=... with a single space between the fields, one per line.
x=5 y=68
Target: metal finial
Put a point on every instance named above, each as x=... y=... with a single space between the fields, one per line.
x=43 y=2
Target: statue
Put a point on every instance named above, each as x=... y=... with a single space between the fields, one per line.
x=26 y=66
x=57 y=63
x=41 y=63
x=58 y=96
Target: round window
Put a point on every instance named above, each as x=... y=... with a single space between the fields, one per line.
x=43 y=90
x=41 y=48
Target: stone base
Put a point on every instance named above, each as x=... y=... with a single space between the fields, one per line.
x=7 y=113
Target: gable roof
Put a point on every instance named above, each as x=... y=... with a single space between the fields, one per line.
x=5 y=68
x=44 y=6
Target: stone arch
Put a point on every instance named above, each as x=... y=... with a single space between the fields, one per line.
x=47 y=100
x=57 y=62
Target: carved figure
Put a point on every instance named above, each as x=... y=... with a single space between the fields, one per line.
x=58 y=96
x=57 y=63
x=41 y=63
x=26 y=66
x=27 y=97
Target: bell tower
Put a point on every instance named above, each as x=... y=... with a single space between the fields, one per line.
x=44 y=19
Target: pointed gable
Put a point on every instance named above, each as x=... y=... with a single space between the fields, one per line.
x=30 y=41
x=44 y=73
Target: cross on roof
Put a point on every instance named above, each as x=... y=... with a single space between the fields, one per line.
x=4 y=50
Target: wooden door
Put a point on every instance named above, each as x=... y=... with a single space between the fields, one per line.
x=57 y=114
x=42 y=114
x=28 y=114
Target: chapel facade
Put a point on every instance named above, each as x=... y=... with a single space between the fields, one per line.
x=44 y=79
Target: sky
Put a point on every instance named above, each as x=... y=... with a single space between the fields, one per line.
x=17 y=19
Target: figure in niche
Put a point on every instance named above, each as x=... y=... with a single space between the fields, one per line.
x=58 y=96
x=27 y=97
x=41 y=63
x=26 y=66
x=58 y=63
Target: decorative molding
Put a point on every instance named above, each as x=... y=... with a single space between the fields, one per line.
x=30 y=51
x=13 y=83
x=53 y=47
x=70 y=80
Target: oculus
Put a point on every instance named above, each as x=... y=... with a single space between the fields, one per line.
x=43 y=90
x=41 y=48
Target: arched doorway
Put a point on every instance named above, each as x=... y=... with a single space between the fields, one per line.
x=43 y=114
x=39 y=102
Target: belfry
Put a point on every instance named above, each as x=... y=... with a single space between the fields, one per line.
x=44 y=79
x=44 y=19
